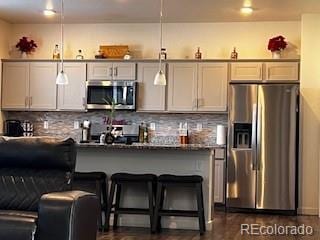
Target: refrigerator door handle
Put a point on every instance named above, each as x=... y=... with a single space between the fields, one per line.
x=259 y=136
x=254 y=137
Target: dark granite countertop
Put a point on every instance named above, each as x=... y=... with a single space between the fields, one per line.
x=149 y=146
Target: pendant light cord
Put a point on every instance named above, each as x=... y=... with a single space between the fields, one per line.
x=161 y=32
x=62 y=33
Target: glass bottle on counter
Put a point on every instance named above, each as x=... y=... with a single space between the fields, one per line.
x=79 y=56
x=198 y=54
x=56 y=53
x=145 y=134
x=234 y=54
x=141 y=133
x=163 y=54
x=183 y=133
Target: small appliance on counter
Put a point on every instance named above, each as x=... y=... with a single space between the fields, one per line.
x=85 y=136
x=27 y=129
x=13 y=128
x=124 y=134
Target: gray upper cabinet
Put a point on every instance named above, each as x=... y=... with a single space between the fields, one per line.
x=29 y=86
x=150 y=97
x=112 y=71
x=182 y=87
x=15 y=86
x=73 y=95
x=197 y=87
x=43 y=88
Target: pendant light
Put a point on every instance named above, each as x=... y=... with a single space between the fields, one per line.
x=160 y=78
x=62 y=78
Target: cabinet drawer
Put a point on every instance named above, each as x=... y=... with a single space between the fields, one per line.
x=246 y=71
x=282 y=71
x=100 y=71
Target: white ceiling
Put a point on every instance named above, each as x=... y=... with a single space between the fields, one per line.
x=144 y=11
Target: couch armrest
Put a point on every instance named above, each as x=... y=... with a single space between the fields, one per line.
x=68 y=215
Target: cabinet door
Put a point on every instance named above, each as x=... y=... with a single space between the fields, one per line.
x=15 y=86
x=43 y=89
x=212 y=86
x=73 y=95
x=100 y=71
x=150 y=97
x=182 y=87
x=219 y=181
x=124 y=71
x=282 y=71
x=246 y=71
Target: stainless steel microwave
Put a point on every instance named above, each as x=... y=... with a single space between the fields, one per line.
x=123 y=94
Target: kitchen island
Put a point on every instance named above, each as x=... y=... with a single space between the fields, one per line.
x=157 y=159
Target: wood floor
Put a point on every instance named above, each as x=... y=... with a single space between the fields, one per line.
x=225 y=226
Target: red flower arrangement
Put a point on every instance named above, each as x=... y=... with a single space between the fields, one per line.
x=277 y=44
x=26 y=46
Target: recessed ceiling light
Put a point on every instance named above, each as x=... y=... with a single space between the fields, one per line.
x=246 y=10
x=49 y=12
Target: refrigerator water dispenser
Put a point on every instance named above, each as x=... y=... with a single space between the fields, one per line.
x=242 y=135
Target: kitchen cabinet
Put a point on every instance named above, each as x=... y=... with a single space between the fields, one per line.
x=182 y=87
x=29 y=86
x=282 y=71
x=219 y=181
x=112 y=71
x=43 y=88
x=246 y=71
x=15 y=86
x=197 y=87
x=212 y=87
x=73 y=95
x=150 y=97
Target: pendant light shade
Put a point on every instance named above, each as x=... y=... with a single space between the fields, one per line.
x=62 y=78
x=160 y=78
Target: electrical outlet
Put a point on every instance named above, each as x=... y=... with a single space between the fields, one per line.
x=152 y=126
x=45 y=124
x=199 y=127
x=76 y=125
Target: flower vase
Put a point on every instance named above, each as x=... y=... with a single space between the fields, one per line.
x=24 y=55
x=276 y=54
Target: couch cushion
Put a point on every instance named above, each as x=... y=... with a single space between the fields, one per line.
x=15 y=225
x=40 y=153
x=22 y=189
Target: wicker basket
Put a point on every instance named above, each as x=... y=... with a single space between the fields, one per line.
x=114 y=51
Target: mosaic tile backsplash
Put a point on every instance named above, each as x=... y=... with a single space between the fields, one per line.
x=61 y=124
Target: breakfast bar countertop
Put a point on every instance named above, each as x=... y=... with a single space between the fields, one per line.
x=151 y=146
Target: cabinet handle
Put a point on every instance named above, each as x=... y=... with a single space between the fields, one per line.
x=116 y=71
x=30 y=101
x=111 y=72
x=84 y=102
x=194 y=104
x=26 y=101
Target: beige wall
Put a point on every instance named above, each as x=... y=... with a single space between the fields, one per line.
x=310 y=113
x=181 y=39
x=4 y=53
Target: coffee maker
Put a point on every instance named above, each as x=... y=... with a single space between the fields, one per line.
x=86 y=136
x=13 y=128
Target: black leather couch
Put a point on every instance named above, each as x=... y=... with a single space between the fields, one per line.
x=36 y=201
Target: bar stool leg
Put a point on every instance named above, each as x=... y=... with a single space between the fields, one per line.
x=161 y=206
x=110 y=203
x=99 y=195
x=151 y=204
x=116 y=207
x=157 y=208
x=202 y=224
x=104 y=201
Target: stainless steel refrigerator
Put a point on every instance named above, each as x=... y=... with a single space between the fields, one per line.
x=262 y=147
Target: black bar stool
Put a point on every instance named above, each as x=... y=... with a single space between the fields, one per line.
x=167 y=180
x=119 y=180
x=94 y=182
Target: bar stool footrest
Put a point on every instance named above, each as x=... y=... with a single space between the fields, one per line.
x=178 y=213
x=138 y=211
